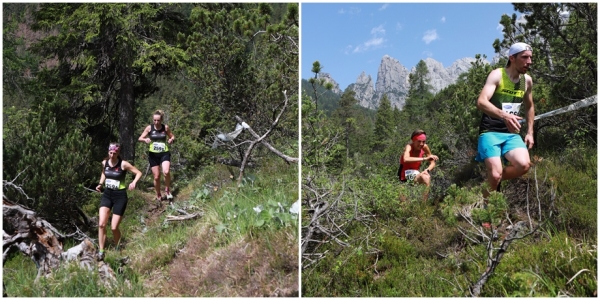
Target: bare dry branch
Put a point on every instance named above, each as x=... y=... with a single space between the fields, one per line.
x=39 y=240
x=519 y=230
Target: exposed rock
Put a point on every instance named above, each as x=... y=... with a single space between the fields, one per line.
x=365 y=91
x=440 y=77
x=336 y=87
x=392 y=80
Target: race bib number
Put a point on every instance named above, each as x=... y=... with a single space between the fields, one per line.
x=159 y=147
x=112 y=184
x=511 y=108
x=410 y=175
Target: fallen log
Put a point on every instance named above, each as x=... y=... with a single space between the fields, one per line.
x=39 y=240
x=182 y=218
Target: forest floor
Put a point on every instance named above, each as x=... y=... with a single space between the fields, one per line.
x=222 y=252
x=205 y=267
x=261 y=264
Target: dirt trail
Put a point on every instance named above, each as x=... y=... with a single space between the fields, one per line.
x=248 y=267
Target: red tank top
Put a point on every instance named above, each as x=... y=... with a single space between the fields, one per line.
x=410 y=165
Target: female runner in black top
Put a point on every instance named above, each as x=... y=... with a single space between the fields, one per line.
x=114 y=197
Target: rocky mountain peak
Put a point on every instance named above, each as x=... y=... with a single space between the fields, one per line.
x=364 y=91
x=392 y=80
x=336 y=87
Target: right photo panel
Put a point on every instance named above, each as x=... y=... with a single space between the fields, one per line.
x=449 y=150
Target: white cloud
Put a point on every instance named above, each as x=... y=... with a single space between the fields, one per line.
x=379 y=30
x=373 y=43
x=348 y=49
x=350 y=11
x=443 y=20
x=521 y=20
x=398 y=26
x=383 y=7
x=500 y=27
x=430 y=36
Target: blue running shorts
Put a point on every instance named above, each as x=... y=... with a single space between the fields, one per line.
x=496 y=144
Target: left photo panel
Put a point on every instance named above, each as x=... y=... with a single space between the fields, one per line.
x=150 y=150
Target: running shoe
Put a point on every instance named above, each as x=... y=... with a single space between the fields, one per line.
x=169 y=195
x=100 y=256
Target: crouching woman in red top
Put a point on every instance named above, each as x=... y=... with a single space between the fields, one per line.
x=415 y=153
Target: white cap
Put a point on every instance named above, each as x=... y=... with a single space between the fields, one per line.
x=517 y=48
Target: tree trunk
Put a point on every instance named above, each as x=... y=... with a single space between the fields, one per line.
x=126 y=116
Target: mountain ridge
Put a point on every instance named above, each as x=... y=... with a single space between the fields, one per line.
x=392 y=80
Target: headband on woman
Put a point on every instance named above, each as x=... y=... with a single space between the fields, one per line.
x=419 y=137
x=113 y=148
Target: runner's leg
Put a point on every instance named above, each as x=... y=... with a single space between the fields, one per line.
x=493 y=166
x=423 y=178
x=156 y=174
x=102 y=220
x=166 y=167
x=519 y=163
x=114 y=226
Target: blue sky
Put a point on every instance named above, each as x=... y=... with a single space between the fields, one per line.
x=349 y=38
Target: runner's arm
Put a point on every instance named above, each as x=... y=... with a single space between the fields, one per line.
x=483 y=101
x=143 y=137
x=170 y=134
x=408 y=158
x=428 y=155
x=529 y=111
x=102 y=177
x=138 y=174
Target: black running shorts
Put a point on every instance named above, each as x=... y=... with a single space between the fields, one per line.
x=115 y=200
x=156 y=159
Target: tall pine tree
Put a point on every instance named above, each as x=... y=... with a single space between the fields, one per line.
x=384 y=125
x=102 y=58
x=346 y=115
x=419 y=92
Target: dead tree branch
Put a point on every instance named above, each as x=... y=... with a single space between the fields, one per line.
x=329 y=212
x=519 y=230
x=12 y=184
x=493 y=259
x=262 y=140
x=43 y=243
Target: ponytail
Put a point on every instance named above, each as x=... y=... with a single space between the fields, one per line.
x=160 y=113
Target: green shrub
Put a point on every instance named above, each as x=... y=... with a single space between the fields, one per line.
x=52 y=163
x=456 y=198
x=543 y=268
x=577 y=200
x=381 y=196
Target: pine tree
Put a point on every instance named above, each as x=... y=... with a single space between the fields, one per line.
x=346 y=115
x=103 y=58
x=384 y=125
x=419 y=92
